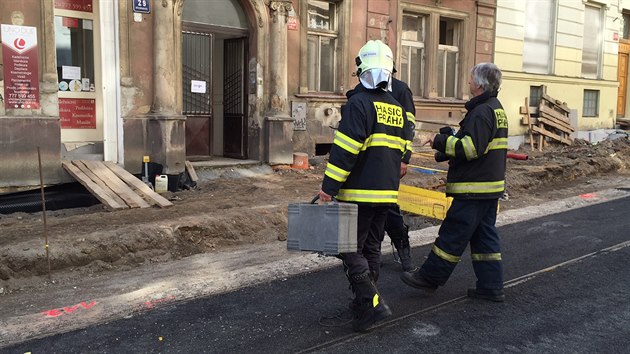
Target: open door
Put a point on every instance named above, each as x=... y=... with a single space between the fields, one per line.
x=234 y=103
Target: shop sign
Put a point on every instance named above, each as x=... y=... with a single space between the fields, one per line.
x=21 y=67
x=77 y=113
x=142 y=6
x=74 y=5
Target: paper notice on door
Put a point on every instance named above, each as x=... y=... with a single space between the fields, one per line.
x=197 y=86
x=71 y=72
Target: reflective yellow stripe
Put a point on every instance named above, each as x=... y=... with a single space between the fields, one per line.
x=475 y=187
x=450 y=146
x=347 y=143
x=368 y=196
x=498 y=144
x=389 y=141
x=411 y=118
x=486 y=256
x=409 y=145
x=469 y=148
x=336 y=173
x=375 y=300
x=445 y=256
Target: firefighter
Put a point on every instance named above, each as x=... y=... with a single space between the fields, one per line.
x=476 y=180
x=395 y=226
x=364 y=168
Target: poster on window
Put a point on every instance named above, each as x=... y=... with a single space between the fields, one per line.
x=21 y=73
x=77 y=113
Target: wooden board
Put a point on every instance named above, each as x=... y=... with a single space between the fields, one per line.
x=86 y=170
x=94 y=188
x=191 y=171
x=543 y=132
x=113 y=185
x=554 y=124
x=138 y=185
x=554 y=114
x=116 y=184
x=529 y=123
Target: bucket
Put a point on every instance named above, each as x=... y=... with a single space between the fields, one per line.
x=161 y=183
x=300 y=161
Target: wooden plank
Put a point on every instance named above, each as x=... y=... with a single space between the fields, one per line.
x=191 y=171
x=552 y=123
x=81 y=165
x=95 y=189
x=122 y=190
x=555 y=115
x=565 y=127
x=529 y=123
x=557 y=103
x=541 y=137
x=138 y=185
x=542 y=131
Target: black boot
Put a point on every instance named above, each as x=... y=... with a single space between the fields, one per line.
x=495 y=295
x=400 y=240
x=367 y=305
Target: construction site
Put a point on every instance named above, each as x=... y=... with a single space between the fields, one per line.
x=238 y=206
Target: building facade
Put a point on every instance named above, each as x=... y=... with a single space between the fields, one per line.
x=568 y=48
x=177 y=80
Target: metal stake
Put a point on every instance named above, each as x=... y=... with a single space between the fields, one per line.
x=41 y=184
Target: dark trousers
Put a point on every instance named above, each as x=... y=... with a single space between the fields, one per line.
x=370 y=233
x=396 y=228
x=467 y=221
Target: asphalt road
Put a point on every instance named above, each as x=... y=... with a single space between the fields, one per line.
x=567 y=291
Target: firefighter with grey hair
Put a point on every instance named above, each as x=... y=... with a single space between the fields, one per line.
x=364 y=167
x=476 y=180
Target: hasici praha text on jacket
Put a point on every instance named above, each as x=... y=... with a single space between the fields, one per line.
x=373 y=135
x=477 y=152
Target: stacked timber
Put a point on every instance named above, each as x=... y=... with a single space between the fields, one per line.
x=551 y=125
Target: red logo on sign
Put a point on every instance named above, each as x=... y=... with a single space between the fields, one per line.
x=19 y=43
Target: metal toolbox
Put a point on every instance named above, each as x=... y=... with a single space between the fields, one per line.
x=329 y=228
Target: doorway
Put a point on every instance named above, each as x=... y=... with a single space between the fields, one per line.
x=234 y=108
x=214 y=67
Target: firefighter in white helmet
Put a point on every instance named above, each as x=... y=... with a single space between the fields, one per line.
x=365 y=168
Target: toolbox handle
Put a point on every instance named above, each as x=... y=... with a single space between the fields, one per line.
x=316 y=198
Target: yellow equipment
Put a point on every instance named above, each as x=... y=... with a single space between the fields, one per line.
x=423 y=201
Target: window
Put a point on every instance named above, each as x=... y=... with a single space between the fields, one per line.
x=448 y=57
x=74 y=39
x=411 y=66
x=591 y=103
x=539 y=31
x=322 y=42
x=535 y=94
x=592 y=47
x=626 y=26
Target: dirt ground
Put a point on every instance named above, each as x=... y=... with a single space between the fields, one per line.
x=225 y=213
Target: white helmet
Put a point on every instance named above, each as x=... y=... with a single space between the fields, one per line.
x=375 y=64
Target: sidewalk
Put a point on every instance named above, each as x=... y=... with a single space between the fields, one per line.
x=103 y=299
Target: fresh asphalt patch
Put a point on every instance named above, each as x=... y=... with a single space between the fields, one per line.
x=545 y=312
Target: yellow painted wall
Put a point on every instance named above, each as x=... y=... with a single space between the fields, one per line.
x=516 y=86
x=565 y=83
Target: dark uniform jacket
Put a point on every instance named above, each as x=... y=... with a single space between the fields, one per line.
x=477 y=153
x=402 y=93
x=373 y=135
